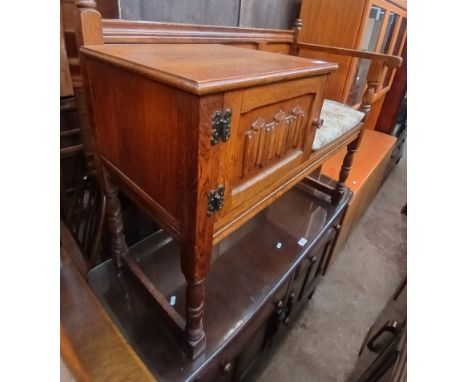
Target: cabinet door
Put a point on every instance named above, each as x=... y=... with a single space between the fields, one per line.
x=311 y=271
x=304 y=281
x=400 y=39
x=369 y=41
x=271 y=136
x=260 y=336
x=389 y=33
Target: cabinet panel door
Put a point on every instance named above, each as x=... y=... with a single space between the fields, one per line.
x=397 y=50
x=369 y=42
x=389 y=33
x=271 y=136
x=316 y=265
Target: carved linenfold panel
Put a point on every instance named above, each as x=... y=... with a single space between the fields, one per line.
x=298 y=126
x=280 y=119
x=266 y=142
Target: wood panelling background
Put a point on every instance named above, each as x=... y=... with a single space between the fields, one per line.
x=245 y=13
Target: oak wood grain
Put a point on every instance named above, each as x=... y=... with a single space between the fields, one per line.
x=74 y=368
x=186 y=65
x=154 y=109
x=92 y=345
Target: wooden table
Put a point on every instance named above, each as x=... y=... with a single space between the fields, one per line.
x=261 y=279
x=90 y=344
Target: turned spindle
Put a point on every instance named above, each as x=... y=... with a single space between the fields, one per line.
x=373 y=76
x=115 y=225
x=195 y=334
x=297 y=26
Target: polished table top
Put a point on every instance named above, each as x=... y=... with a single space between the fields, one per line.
x=247 y=267
x=203 y=68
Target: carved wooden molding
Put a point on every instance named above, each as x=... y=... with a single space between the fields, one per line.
x=267 y=142
x=125 y=31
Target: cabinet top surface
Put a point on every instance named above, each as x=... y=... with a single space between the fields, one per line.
x=207 y=68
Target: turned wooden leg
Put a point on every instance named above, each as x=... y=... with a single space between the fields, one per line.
x=344 y=172
x=195 y=334
x=195 y=263
x=114 y=221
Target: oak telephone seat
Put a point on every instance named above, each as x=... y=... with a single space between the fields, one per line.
x=203 y=137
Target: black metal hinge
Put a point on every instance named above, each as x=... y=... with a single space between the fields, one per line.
x=221 y=126
x=215 y=200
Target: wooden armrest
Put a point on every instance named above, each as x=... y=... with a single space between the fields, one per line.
x=390 y=61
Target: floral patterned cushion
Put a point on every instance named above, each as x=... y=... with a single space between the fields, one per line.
x=338 y=119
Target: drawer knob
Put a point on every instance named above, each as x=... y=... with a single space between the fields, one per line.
x=226 y=367
x=318 y=123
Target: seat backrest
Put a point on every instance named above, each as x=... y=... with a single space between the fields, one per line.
x=116 y=31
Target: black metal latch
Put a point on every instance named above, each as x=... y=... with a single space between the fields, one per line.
x=215 y=200
x=221 y=126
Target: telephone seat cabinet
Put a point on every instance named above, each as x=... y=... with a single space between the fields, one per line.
x=203 y=137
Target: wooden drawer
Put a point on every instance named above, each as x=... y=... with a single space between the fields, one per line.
x=271 y=134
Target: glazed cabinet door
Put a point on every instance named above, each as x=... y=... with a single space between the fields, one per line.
x=384 y=32
x=272 y=128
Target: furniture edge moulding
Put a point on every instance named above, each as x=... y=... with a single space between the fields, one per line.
x=125 y=31
x=203 y=87
x=98 y=30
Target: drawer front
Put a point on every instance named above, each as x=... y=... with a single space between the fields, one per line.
x=272 y=129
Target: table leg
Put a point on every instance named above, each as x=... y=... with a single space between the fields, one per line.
x=114 y=221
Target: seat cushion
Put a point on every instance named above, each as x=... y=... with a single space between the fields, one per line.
x=338 y=119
